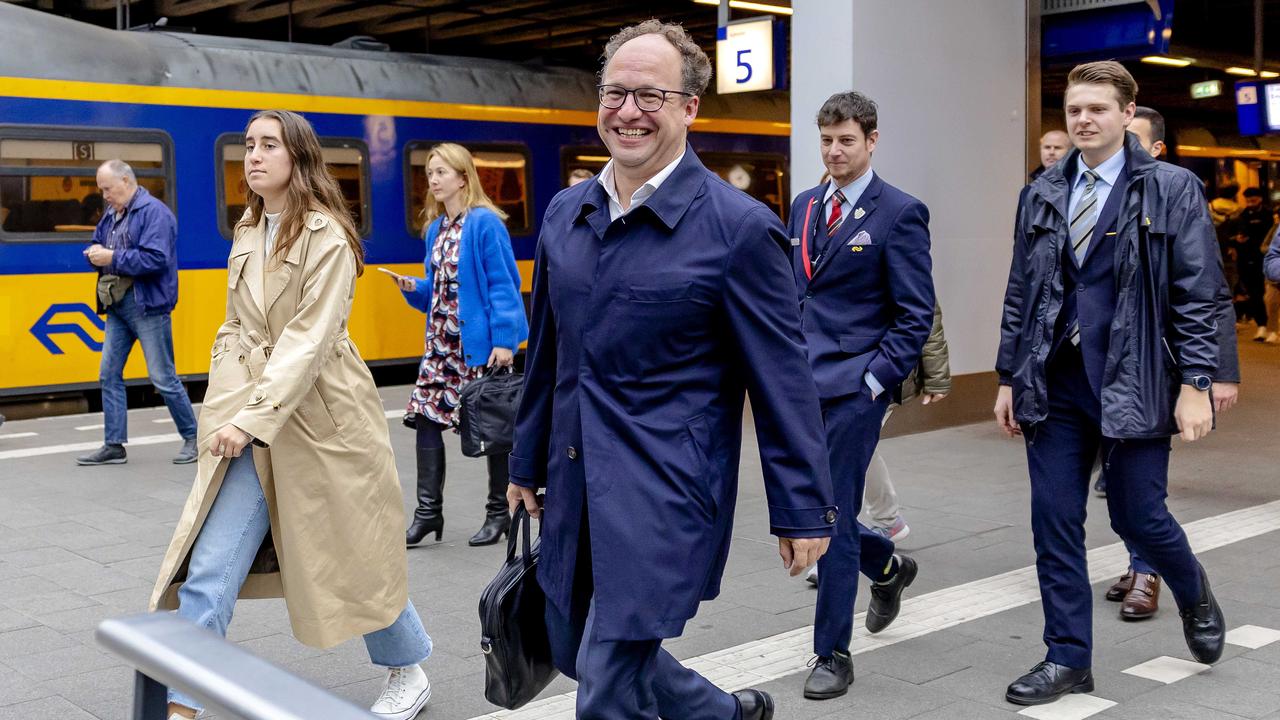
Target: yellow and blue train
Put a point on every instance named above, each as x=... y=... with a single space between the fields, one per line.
x=172 y=105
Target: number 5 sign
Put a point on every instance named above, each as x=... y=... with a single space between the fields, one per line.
x=744 y=56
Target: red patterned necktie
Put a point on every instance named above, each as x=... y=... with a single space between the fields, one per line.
x=833 y=222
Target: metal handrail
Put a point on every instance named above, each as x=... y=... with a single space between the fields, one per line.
x=168 y=651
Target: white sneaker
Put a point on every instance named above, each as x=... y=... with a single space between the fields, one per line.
x=403 y=696
x=1273 y=339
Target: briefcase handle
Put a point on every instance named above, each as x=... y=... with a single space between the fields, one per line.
x=520 y=526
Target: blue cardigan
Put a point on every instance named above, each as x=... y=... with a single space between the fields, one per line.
x=490 y=308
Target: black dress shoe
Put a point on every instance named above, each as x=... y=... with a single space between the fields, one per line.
x=1204 y=626
x=830 y=677
x=1047 y=682
x=886 y=597
x=755 y=704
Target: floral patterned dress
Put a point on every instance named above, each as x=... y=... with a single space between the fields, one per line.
x=443 y=371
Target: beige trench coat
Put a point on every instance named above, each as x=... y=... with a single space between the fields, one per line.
x=284 y=370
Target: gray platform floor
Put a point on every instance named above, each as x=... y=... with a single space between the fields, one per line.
x=78 y=545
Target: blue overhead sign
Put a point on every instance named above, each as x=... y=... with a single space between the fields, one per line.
x=1108 y=30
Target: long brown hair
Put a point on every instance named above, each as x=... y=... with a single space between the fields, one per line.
x=311 y=187
x=458 y=158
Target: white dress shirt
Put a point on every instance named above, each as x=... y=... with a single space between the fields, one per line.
x=645 y=191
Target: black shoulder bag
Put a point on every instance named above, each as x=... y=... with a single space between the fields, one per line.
x=513 y=626
x=487 y=413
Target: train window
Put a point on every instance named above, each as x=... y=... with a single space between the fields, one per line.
x=48 y=185
x=504 y=171
x=762 y=176
x=579 y=159
x=346 y=159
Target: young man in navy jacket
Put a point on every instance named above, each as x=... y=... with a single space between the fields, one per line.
x=861 y=261
x=1108 y=347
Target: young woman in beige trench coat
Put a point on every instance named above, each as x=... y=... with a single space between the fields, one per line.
x=296 y=495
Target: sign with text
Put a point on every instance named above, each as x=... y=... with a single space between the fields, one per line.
x=744 y=56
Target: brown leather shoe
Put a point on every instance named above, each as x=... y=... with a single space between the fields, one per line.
x=1143 y=601
x=1117 y=591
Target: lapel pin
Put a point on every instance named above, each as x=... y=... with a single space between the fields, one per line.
x=857 y=214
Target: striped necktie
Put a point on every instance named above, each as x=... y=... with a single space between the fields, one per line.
x=1082 y=225
x=837 y=217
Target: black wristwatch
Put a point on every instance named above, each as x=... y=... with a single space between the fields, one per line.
x=1201 y=382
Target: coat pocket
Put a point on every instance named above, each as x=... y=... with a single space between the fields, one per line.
x=316 y=419
x=697 y=441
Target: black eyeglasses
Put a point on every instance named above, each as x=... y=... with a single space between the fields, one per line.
x=647 y=99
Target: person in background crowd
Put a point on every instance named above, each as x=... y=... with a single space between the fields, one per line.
x=475 y=320
x=135 y=252
x=1055 y=345
x=863 y=273
x=296 y=494
x=1271 y=295
x=661 y=297
x=1138 y=589
x=1249 y=239
x=1054 y=145
x=1271 y=264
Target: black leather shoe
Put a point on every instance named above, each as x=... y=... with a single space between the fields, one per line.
x=1047 y=682
x=755 y=704
x=1204 y=626
x=105 y=455
x=886 y=597
x=830 y=677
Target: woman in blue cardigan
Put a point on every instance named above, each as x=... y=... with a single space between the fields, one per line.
x=475 y=319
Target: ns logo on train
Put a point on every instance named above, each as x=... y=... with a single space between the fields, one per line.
x=46 y=327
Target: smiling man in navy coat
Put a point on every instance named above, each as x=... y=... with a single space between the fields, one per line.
x=861 y=261
x=661 y=297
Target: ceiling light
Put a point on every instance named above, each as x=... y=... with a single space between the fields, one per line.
x=1246 y=72
x=1162 y=60
x=745 y=5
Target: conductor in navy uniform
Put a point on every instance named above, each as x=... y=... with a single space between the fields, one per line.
x=662 y=296
x=861 y=262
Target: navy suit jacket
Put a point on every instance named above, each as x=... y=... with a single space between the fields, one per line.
x=869 y=305
x=646 y=334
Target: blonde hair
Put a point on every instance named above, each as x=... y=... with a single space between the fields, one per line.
x=473 y=194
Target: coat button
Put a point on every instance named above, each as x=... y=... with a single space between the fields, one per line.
x=573 y=453
x=831 y=517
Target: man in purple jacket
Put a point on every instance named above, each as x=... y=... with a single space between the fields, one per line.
x=134 y=249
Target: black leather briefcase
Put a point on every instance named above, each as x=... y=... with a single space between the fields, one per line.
x=487 y=413
x=513 y=626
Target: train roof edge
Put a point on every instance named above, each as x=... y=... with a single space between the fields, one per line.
x=85 y=52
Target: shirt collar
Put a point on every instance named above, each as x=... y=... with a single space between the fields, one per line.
x=1108 y=170
x=644 y=192
x=853 y=191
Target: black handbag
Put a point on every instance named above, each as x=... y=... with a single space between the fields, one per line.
x=513 y=626
x=487 y=413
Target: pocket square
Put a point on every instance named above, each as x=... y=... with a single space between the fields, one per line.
x=862 y=238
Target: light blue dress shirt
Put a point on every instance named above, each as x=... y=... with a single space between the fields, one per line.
x=1108 y=173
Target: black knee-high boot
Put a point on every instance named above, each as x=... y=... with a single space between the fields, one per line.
x=429 y=517
x=496 y=521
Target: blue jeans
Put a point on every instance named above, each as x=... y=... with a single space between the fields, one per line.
x=125 y=324
x=220 y=560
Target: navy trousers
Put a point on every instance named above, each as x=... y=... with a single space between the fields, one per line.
x=853 y=429
x=1060 y=455
x=625 y=679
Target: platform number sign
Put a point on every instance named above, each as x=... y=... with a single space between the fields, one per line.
x=81 y=150
x=744 y=56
